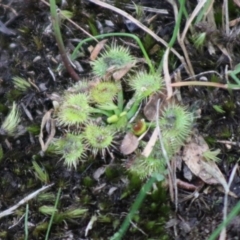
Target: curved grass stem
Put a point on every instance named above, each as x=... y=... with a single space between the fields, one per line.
x=204 y=84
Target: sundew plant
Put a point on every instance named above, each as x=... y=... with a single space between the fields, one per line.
x=96 y=112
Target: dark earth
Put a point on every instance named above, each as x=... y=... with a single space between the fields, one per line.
x=28 y=49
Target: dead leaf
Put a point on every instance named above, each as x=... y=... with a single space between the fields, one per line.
x=237 y=2
x=186 y=185
x=5 y=30
x=98 y=173
x=112 y=190
x=129 y=144
x=193 y=157
x=234 y=22
x=151 y=106
x=47 y=121
x=90 y=224
x=99 y=188
x=117 y=75
x=95 y=52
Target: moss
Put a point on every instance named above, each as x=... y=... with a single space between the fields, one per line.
x=88 y=181
x=3 y=234
x=40 y=229
x=34 y=129
x=112 y=172
x=92 y=26
x=134 y=181
x=229 y=106
x=14 y=94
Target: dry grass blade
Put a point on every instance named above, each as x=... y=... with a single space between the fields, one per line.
x=119 y=74
x=183 y=35
x=95 y=52
x=173 y=188
x=226 y=15
x=151 y=143
x=167 y=77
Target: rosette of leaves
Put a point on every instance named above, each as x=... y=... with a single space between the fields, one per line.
x=145 y=167
x=98 y=138
x=104 y=92
x=74 y=110
x=145 y=84
x=176 y=124
x=71 y=148
x=115 y=57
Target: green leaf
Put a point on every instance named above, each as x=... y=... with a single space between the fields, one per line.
x=66 y=14
x=218 y=109
x=212 y=155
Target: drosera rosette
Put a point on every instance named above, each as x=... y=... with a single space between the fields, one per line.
x=145 y=167
x=115 y=58
x=104 y=92
x=71 y=147
x=74 y=110
x=98 y=138
x=145 y=84
x=175 y=124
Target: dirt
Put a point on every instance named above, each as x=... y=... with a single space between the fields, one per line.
x=29 y=50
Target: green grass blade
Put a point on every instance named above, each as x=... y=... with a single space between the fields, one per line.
x=136 y=205
x=52 y=217
x=175 y=31
x=231 y=215
x=26 y=223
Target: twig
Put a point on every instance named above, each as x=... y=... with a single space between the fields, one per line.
x=23 y=201
x=204 y=73
x=60 y=44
